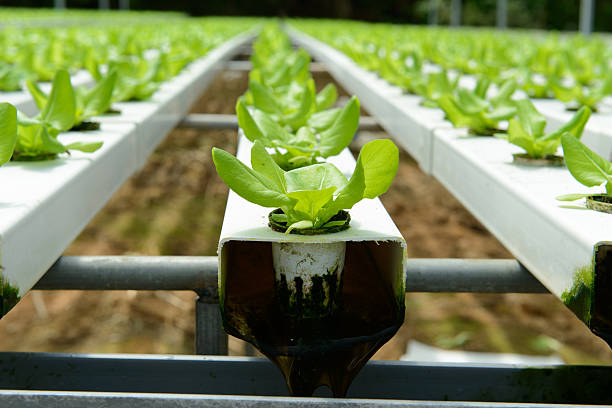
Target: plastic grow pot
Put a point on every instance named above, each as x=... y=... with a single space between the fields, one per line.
x=523 y=159
x=601 y=203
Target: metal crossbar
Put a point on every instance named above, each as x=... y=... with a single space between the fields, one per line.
x=212 y=121
x=256 y=382
x=199 y=274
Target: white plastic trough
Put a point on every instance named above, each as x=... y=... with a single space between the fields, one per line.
x=554 y=240
x=46 y=204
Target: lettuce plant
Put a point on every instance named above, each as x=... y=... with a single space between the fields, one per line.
x=328 y=136
x=136 y=77
x=37 y=137
x=433 y=86
x=309 y=196
x=480 y=115
x=580 y=95
x=527 y=131
x=88 y=102
x=586 y=166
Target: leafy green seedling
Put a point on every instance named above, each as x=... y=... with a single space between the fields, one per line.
x=136 y=77
x=527 y=131
x=309 y=196
x=586 y=166
x=88 y=102
x=578 y=95
x=37 y=140
x=481 y=116
x=11 y=77
x=433 y=86
x=8 y=131
x=334 y=133
x=292 y=106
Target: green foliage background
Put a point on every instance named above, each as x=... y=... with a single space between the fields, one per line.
x=542 y=14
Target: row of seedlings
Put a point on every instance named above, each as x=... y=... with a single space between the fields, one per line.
x=314 y=288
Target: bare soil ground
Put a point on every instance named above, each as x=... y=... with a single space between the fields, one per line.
x=175 y=206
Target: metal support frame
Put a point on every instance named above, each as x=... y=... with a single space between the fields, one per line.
x=247 y=66
x=587 y=16
x=502 y=14
x=432 y=12
x=208 y=121
x=455 y=13
x=256 y=382
x=124 y=5
x=199 y=274
x=104 y=4
x=59 y=4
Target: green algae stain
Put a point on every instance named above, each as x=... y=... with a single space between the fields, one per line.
x=9 y=296
x=579 y=297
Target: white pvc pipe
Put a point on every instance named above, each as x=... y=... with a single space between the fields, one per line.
x=301 y=263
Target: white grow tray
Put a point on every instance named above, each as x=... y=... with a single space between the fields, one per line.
x=46 y=204
x=554 y=240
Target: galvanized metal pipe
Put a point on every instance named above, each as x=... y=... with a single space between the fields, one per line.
x=199 y=273
x=587 y=16
x=470 y=275
x=455 y=13
x=432 y=15
x=210 y=339
x=379 y=382
x=207 y=121
x=502 y=14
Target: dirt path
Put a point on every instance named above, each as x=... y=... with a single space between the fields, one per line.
x=175 y=205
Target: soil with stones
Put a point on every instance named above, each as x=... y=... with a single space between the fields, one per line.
x=175 y=206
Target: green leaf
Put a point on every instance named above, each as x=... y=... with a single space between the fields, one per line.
x=299 y=225
x=315 y=177
x=247 y=183
x=298 y=118
x=572 y=197
x=327 y=97
x=258 y=125
x=333 y=224
x=469 y=102
x=263 y=98
x=448 y=104
x=339 y=135
x=310 y=202
x=99 y=99
x=531 y=120
x=87 y=147
x=59 y=112
x=575 y=126
x=380 y=161
x=324 y=119
x=584 y=164
x=263 y=163
x=8 y=131
x=501 y=113
x=40 y=98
